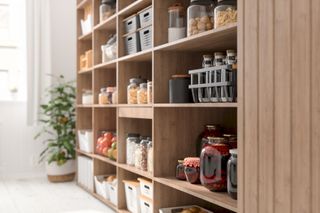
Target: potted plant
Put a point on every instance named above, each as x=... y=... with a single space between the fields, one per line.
x=58 y=119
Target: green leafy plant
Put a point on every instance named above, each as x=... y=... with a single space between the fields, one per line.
x=58 y=119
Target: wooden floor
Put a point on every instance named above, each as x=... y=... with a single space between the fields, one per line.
x=40 y=196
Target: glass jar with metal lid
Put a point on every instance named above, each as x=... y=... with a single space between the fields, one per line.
x=132 y=92
x=225 y=13
x=232 y=174
x=131 y=142
x=141 y=155
x=142 y=94
x=176 y=28
x=107 y=8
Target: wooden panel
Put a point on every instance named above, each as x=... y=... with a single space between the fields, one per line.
x=134 y=112
x=282 y=128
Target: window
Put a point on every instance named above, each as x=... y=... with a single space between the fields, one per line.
x=12 y=31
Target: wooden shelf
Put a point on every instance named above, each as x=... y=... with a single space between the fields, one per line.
x=84 y=106
x=217 y=105
x=107 y=65
x=87 y=71
x=85 y=37
x=135 y=170
x=197 y=190
x=136 y=112
x=108 y=24
x=104 y=159
x=84 y=153
x=135 y=7
x=141 y=56
x=105 y=106
x=221 y=38
x=83 y=3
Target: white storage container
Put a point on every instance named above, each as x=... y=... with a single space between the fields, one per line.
x=145 y=35
x=85 y=140
x=101 y=186
x=132 y=42
x=181 y=208
x=131 y=24
x=132 y=189
x=146 y=205
x=113 y=191
x=145 y=17
x=86 y=25
x=85 y=172
x=146 y=188
x=87 y=97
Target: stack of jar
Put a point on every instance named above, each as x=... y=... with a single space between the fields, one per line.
x=220 y=59
x=108 y=95
x=139 y=152
x=216 y=168
x=139 y=91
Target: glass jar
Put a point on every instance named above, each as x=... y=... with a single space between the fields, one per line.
x=87 y=96
x=211 y=130
x=149 y=91
x=213 y=161
x=225 y=13
x=142 y=94
x=132 y=92
x=231 y=57
x=180 y=175
x=107 y=9
x=115 y=96
x=232 y=174
x=207 y=61
x=110 y=91
x=177 y=29
x=131 y=141
x=150 y=157
x=141 y=155
x=103 y=96
x=218 y=58
x=200 y=16
x=232 y=140
x=192 y=169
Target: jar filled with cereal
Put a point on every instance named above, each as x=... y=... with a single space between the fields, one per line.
x=225 y=13
x=132 y=92
x=200 y=16
x=142 y=94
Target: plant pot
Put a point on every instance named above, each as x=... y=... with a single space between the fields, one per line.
x=63 y=173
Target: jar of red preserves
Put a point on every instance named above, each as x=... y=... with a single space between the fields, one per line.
x=192 y=169
x=213 y=161
x=180 y=175
x=232 y=140
x=211 y=130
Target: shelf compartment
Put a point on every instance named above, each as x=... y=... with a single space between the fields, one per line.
x=135 y=170
x=104 y=159
x=109 y=24
x=129 y=7
x=84 y=118
x=220 y=198
x=141 y=56
x=218 y=39
x=133 y=112
x=107 y=65
x=84 y=82
x=100 y=38
x=85 y=37
x=103 y=78
x=84 y=153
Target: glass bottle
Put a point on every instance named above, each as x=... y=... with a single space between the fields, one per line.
x=225 y=13
x=176 y=28
x=200 y=16
x=107 y=8
x=232 y=174
x=180 y=175
x=213 y=161
x=131 y=142
x=142 y=94
x=103 y=96
x=211 y=130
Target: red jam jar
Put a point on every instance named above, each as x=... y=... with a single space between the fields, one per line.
x=211 y=130
x=192 y=169
x=213 y=161
x=232 y=140
x=180 y=175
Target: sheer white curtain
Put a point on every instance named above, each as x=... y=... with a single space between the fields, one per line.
x=38 y=55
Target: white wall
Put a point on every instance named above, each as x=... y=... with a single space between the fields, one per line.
x=18 y=151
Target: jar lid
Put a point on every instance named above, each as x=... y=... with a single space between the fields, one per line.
x=143 y=85
x=135 y=81
x=212 y=126
x=180 y=161
x=176 y=6
x=108 y=1
x=218 y=54
x=207 y=56
x=231 y=51
x=229 y=135
x=181 y=76
x=133 y=135
x=110 y=89
x=103 y=89
x=192 y=162
x=144 y=142
x=87 y=91
x=234 y=152
x=216 y=139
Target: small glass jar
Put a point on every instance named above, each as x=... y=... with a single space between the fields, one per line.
x=103 y=96
x=180 y=175
x=131 y=141
x=107 y=9
x=207 y=61
x=213 y=161
x=211 y=130
x=142 y=94
x=232 y=140
x=87 y=97
x=231 y=57
x=110 y=91
x=225 y=13
x=200 y=16
x=176 y=28
x=149 y=92
x=141 y=155
x=218 y=59
x=150 y=157
x=132 y=92
x=192 y=169
x=232 y=174
x=115 y=96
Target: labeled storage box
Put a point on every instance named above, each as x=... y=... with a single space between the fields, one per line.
x=194 y=208
x=101 y=186
x=85 y=140
x=146 y=205
x=113 y=191
x=131 y=24
x=145 y=35
x=145 y=17
x=132 y=189
x=146 y=188
x=132 y=42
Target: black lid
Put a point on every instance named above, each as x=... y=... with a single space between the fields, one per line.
x=108 y=1
x=133 y=135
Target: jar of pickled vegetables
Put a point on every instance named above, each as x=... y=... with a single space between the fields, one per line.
x=211 y=130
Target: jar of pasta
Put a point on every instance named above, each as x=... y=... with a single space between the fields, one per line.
x=142 y=94
x=132 y=92
x=225 y=13
x=103 y=96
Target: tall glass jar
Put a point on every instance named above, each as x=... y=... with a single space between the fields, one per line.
x=115 y=96
x=149 y=91
x=232 y=174
x=225 y=13
x=207 y=61
x=142 y=94
x=103 y=96
x=180 y=175
x=200 y=16
x=219 y=58
x=211 y=130
x=132 y=92
x=150 y=157
x=213 y=161
x=131 y=142
x=107 y=8
x=231 y=57
x=110 y=91
x=177 y=29
x=141 y=155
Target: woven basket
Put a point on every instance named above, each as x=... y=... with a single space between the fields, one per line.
x=61 y=178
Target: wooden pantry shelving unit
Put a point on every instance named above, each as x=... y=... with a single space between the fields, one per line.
x=173 y=127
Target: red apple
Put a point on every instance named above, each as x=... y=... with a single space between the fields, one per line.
x=108 y=135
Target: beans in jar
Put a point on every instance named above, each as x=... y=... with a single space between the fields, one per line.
x=141 y=155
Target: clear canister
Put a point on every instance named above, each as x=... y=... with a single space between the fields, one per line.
x=142 y=94
x=141 y=155
x=107 y=8
x=132 y=92
x=176 y=28
x=132 y=141
x=225 y=13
